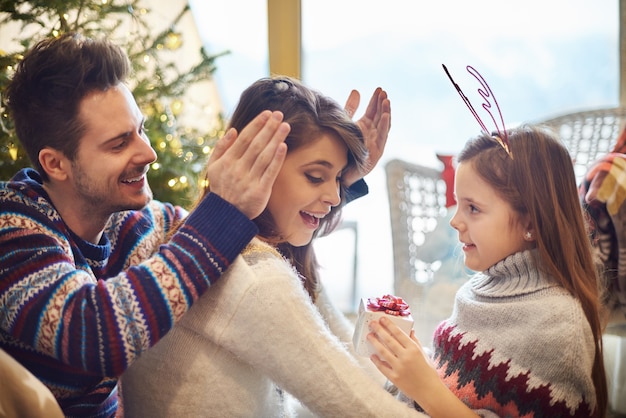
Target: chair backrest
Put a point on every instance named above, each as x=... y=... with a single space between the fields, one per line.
x=417 y=200
x=588 y=134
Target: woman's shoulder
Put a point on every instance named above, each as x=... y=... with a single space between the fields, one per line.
x=259 y=252
x=258 y=249
x=266 y=258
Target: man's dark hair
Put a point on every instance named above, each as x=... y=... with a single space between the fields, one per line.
x=49 y=84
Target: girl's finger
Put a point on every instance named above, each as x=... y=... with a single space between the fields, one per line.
x=394 y=332
x=382 y=365
x=383 y=335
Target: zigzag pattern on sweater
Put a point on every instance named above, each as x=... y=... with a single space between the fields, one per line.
x=472 y=376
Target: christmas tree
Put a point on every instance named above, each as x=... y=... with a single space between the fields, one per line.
x=158 y=85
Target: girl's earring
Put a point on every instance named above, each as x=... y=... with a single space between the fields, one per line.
x=528 y=235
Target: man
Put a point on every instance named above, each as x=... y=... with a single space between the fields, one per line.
x=91 y=272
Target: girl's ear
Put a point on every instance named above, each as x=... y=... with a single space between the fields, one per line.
x=529 y=235
x=54 y=163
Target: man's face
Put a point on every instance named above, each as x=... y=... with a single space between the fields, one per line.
x=109 y=171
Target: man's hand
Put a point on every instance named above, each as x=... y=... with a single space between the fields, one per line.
x=243 y=167
x=375 y=125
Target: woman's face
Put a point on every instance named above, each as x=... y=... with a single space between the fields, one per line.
x=307 y=187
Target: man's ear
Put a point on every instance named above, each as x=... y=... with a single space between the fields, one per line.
x=54 y=163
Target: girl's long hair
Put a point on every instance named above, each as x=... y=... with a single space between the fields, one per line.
x=539 y=181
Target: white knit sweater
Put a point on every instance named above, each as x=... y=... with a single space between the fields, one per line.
x=256 y=331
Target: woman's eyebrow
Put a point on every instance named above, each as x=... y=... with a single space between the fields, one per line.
x=324 y=163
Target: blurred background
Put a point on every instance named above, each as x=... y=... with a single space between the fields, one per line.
x=541 y=59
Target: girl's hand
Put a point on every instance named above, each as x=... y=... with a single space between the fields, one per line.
x=405 y=363
x=401 y=358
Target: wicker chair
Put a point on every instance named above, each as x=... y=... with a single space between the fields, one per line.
x=417 y=197
x=588 y=134
x=417 y=202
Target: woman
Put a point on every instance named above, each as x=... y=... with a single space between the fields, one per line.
x=268 y=329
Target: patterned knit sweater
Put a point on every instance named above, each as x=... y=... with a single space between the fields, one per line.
x=517 y=345
x=248 y=342
x=77 y=314
x=603 y=196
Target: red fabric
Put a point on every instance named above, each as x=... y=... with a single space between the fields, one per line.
x=448 y=176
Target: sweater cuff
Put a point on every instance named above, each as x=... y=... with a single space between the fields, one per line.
x=223 y=225
x=356 y=190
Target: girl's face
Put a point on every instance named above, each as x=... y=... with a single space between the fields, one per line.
x=307 y=187
x=488 y=227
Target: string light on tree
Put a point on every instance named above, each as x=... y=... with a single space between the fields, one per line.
x=158 y=85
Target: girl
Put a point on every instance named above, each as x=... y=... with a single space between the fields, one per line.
x=268 y=329
x=524 y=338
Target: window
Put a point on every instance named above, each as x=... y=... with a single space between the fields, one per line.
x=540 y=58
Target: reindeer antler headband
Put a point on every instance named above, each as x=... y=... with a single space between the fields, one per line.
x=485 y=92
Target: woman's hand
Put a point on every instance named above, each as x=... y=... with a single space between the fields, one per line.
x=375 y=125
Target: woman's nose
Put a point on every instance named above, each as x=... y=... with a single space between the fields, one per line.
x=332 y=195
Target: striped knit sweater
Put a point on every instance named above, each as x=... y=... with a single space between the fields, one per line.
x=77 y=314
x=517 y=345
